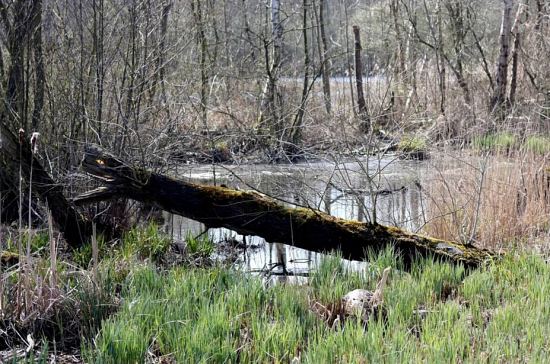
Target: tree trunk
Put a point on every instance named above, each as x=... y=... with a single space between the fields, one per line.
x=98 y=49
x=400 y=68
x=161 y=53
x=349 y=61
x=477 y=42
x=249 y=35
x=459 y=31
x=540 y=14
x=9 y=201
x=201 y=35
x=291 y=146
x=359 y=76
x=515 y=51
x=441 y=61
x=15 y=92
x=325 y=68
x=40 y=76
x=250 y=213
x=1 y=68
x=271 y=113
x=499 y=97
x=75 y=228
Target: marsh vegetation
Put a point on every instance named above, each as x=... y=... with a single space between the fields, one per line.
x=432 y=116
x=134 y=307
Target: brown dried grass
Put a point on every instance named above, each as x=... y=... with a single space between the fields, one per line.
x=497 y=202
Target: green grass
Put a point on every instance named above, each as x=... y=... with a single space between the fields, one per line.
x=496 y=314
x=83 y=255
x=538 y=144
x=412 y=144
x=72 y=309
x=201 y=315
x=39 y=242
x=435 y=312
x=140 y=242
x=146 y=243
x=496 y=141
x=413 y=147
x=505 y=141
x=201 y=246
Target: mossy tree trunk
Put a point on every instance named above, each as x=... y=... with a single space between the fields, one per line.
x=250 y=213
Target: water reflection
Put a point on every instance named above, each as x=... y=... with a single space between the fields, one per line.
x=343 y=190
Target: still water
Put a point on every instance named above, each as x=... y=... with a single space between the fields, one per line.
x=344 y=190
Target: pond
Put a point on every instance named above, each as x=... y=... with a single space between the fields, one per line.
x=342 y=189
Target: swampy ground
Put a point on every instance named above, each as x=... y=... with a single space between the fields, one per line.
x=159 y=296
x=147 y=301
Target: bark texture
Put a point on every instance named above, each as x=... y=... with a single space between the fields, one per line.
x=359 y=74
x=75 y=228
x=499 y=97
x=324 y=57
x=250 y=213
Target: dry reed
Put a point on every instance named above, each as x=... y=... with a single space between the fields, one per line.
x=497 y=203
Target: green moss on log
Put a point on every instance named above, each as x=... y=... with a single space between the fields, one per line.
x=251 y=213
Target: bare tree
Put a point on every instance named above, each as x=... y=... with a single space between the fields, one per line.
x=296 y=129
x=40 y=76
x=99 y=66
x=201 y=39
x=15 y=31
x=454 y=60
x=440 y=61
x=160 y=73
x=516 y=32
x=459 y=30
x=271 y=117
x=499 y=97
x=324 y=54
x=363 y=112
x=400 y=68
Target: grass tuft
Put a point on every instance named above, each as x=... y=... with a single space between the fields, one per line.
x=436 y=313
x=495 y=142
x=199 y=246
x=413 y=147
x=538 y=144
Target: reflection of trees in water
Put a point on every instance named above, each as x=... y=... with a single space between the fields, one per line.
x=402 y=194
x=327 y=199
x=350 y=200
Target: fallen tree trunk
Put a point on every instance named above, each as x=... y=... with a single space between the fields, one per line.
x=15 y=153
x=250 y=213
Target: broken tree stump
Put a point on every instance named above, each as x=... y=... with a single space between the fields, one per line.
x=15 y=153
x=250 y=213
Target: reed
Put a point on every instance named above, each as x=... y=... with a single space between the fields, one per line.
x=435 y=313
x=499 y=202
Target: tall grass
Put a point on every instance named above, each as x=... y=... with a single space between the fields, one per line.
x=500 y=202
x=506 y=141
x=198 y=315
x=435 y=313
x=497 y=142
x=201 y=246
x=66 y=304
x=538 y=144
